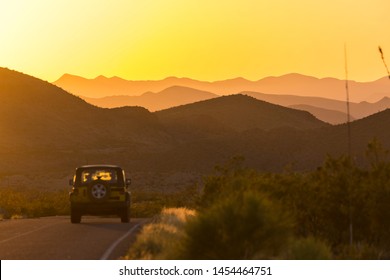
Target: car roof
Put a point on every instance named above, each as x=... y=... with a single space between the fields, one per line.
x=92 y=166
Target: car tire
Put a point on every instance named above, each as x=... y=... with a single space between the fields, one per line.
x=75 y=216
x=98 y=191
x=125 y=215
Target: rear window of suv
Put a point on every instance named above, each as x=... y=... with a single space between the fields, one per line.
x=107 y=174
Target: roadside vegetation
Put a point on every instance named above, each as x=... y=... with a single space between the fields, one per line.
x=16 y=202
x=148 y=204
x=161 y=239
x=339 y=211
x=32 y=203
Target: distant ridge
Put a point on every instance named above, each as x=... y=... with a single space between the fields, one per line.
x=154 y=101
x=328 y=110
x=326 y=115
x=102 y=87
x=291 y=84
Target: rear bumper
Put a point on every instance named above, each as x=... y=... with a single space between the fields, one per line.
x=93 y=208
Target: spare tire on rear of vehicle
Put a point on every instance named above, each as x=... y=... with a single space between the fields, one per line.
x=98 y=191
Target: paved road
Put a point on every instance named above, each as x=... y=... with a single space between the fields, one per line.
x=55 y=238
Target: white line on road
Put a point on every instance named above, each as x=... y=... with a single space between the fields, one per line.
x=108 y=252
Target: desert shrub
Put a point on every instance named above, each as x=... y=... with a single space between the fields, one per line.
x=309 y=249
x=377 y=199
x=241 y=226
x=230 y=178
x=162 y=238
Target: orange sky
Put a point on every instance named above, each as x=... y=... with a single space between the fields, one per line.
x=200 y=39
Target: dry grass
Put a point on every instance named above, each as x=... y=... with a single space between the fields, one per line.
x=384 y=61
x=161 y=238
x=16 y=204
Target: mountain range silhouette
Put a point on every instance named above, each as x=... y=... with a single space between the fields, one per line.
x=47 y=130
x=293 y=90
x=291 y=84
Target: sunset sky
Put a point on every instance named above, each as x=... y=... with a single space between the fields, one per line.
x=201 y=39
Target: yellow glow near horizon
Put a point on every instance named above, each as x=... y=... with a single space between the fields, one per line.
x=206 y=40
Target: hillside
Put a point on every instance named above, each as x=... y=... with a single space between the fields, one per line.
x=283 y=147
x=50 y=115
x=325 y=115
x=333 y=140
x=366 y=129
x=154 y=101
x=327 y=110
x=40 y=121
x=238 y=113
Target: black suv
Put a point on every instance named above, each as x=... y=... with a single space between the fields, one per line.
x=99 y=190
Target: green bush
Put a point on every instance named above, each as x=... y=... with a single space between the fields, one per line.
x=242 y=226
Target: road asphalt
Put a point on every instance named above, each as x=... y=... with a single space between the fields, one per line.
x=55 y=238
